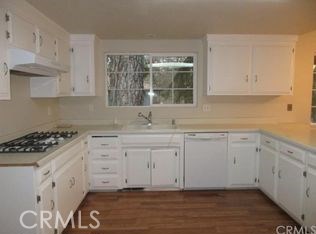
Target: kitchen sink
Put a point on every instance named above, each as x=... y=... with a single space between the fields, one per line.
x=149 y=127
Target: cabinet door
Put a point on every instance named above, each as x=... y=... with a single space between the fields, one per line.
x=47 y=204
x=272 y=69
x=267 y=170
x=310 y=200
x=137 y=166
x=80 y=68
x=47 y=44
x=69 y=189
x=63 y=52
x=4 y=69
x=229 y=69
x=242 y=165
x=64 y=85
x=165 y=164
x=290 y=185
x=22 y=33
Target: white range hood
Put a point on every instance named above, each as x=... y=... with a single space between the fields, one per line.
x=31 y=64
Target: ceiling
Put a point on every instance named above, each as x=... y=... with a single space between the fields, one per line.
x=180 y=19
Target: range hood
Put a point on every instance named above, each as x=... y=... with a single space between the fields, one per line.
x=30 y=64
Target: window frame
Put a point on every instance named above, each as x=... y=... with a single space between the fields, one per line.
x=195 y=83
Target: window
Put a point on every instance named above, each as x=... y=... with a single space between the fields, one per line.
x=150 y=79
x=313 y=112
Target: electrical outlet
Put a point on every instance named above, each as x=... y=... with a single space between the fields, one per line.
x=206 y=108
x=91 y=108
x=289 y=107
x=49 y=111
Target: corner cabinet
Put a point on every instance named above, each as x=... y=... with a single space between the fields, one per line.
x=82 y=64
x=249 y=64
x=5 y=93
x=310 y=192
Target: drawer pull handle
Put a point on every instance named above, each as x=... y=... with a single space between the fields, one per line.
x=268 y=142
x=234 y=160
x=244 y=138
x=104 y=144
x=46 y=173
x=52 y=204
x=273 y=170
x=307 y=192
x=105 y=168
x=290 y=152
x=105 y=182
x=105 y=155
x=279 y=174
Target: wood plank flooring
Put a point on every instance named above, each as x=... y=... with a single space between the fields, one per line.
x=190 y=212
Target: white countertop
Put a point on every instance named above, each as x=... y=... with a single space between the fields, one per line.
x=301 y=135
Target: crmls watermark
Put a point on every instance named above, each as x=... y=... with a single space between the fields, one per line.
x=46 y=218
x=295 y=230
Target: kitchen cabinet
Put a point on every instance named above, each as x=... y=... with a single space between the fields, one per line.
x=229 y=71
x=69 y=190
x=138 y=171
x=105 y=162
x=5 y=92
x=46 y=44
x=291 y=180
x=249 y=64
x=268 y=166
x=310 y=192
x=82 y=65
x=242 y=158
x=165 y=168
x=272 y=69
x=21 y=33
x=46 y=203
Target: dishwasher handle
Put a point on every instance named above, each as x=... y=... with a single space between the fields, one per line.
x=205 y=137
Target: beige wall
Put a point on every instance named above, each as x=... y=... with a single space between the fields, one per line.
x=241 y=109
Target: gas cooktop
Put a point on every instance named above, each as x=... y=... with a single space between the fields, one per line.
x=36 y=142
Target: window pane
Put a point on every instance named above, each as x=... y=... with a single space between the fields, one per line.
x=139 y=63
x=183 y=80
x=128 y=98
x=117 y=63
x=162 y=97
x=313 y=115
x=314 y=99
x=183 y=96
x=162 y=80
x=139 y=81
x=172 y=63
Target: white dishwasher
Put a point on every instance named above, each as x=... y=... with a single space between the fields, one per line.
x=205 y=160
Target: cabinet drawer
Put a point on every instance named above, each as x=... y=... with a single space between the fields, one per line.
x=293 y=152
x=269 y=142
x=103 y=142
x=105 y=154
x=243 y=137
x=43 y=173
x=99 y=181
x=98 y=167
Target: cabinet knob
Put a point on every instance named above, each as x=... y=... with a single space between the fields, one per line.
x=5 y=68
x=247 y=78
x=52 y=204
x=256 y=78
x=279 y=174
x=308 y=192
x=41 y=40
x=34 y=37
x=234 y=160
x=273 y=170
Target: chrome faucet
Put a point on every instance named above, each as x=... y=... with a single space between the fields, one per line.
x=148 y=118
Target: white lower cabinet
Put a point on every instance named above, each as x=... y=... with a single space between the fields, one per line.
x=242 y=158
x=137 y=167
x=164 y=168
x=46 y=203
x=291 y=185
x=310 y=192
x=152 y=168
x=267 y=170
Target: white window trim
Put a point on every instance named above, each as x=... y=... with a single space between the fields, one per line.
x=195 y=83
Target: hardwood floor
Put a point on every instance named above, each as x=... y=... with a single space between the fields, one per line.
x=198 y=212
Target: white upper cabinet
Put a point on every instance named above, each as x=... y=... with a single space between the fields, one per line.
x=46 y=44
x=4 y=66
x=82 y=65
x=272 y=69
x=249 y=64
x=21 y=33
x=229 y=71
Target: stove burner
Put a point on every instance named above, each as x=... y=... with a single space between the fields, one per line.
x=35 y=142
